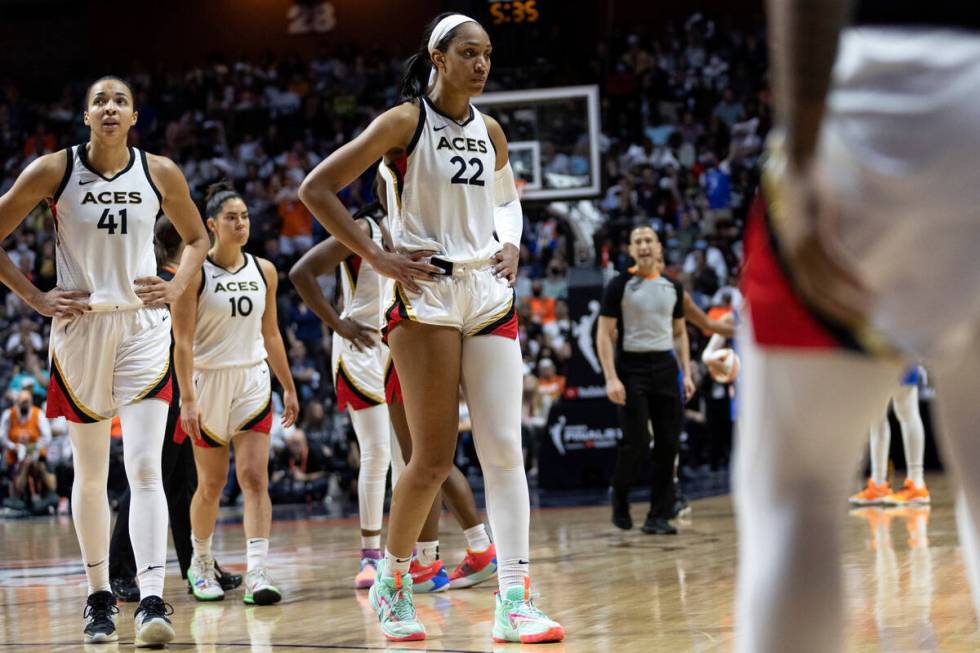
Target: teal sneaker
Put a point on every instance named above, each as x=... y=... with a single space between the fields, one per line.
x=392 y=600
x=516 y=619
x=259 y=590
x=202 y=581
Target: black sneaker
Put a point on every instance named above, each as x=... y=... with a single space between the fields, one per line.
x=227 y=580
x=152 y=627
x=100 y=618
x=125 y=589
x=621 y=511
x=658 y=526
x=682 y=508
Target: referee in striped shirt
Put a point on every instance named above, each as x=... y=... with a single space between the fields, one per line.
x=645 y=356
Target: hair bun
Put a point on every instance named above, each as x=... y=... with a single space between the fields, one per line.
x=218 y=187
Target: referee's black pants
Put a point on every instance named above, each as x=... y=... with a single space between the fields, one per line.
x=653 y=410
x=179 y=482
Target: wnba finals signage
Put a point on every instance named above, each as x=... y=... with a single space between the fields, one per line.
x=578 y=447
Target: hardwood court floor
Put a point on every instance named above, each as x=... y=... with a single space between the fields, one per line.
x=619 y=592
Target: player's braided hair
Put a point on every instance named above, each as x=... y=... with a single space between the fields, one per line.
x=415 y=77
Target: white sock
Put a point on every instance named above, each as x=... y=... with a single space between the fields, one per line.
x=477 y=538
x=89 y=505
x=372 y=426
x=913 y=433
x=144 y=423
x=492 y=369
x=512 y=572
x=202 y=548
x=256 y=550
x=880 y=440
x=371 y=542
x=428 y=552
x=393 y=563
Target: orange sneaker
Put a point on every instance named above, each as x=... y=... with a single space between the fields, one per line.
x=873 y=494
x=910 y=494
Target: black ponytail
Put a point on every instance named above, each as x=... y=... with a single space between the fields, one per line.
x=415 y=77
x=216 y=196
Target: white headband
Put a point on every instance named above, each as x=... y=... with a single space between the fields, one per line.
x=443 y=27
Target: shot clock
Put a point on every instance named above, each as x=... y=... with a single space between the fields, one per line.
x=514 y=11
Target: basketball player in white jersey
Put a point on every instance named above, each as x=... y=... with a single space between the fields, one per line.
x=110 y=337
x=225 y=329
x=877 y=167
x=367 y=386
x=453 y=319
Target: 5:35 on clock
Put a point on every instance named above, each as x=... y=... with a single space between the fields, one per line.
x=514 y=11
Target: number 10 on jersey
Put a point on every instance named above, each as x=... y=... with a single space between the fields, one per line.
x=240 y=306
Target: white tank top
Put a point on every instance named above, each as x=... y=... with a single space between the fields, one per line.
x=363 y=287
x=104 y=229
x=230 y=307
x=445 y=187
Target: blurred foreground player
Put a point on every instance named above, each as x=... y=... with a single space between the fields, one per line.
x=831 y=293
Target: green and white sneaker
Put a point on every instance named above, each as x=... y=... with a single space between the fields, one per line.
x=259 y=590
x=516 y=619
x=392 y=600
x=202 y=581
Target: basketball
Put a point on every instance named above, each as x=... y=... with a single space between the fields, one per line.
x=724 y=366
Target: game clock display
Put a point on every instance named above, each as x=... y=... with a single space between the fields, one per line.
x=514 y=11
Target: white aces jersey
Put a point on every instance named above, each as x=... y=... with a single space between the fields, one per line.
x=362 y=287
x=445 y=187
x=104 y=229
x=230 y=307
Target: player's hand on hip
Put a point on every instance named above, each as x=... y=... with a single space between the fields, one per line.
x=805 y=220
x=154 y=292
x=616 y=392
x=290 y=408
x=405 y=268
x=507 y=259
x=61 y=303
x=190 y=419
x=359 y=335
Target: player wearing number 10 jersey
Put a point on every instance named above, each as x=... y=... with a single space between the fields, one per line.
x=226 y=321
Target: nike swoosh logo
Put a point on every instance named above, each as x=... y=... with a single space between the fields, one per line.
x=523 y=562
x=82 y=183
x=435 y=129
x=219 y=274
x=94 y=564
x=152 y=567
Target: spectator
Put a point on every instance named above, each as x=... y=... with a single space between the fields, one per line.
x=542 y=307
x=551 y=385
x=26 y=433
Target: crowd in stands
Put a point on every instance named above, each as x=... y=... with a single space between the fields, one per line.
x=685 y=108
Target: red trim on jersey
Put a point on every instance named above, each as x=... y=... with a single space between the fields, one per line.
x=779 y=317
x=60 y=403
x=505 y=326
x=164 y=390
x=349 y=395
x=393 y=387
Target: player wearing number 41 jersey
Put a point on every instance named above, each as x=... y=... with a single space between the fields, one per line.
x=110 y=338
x=226 y=322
